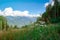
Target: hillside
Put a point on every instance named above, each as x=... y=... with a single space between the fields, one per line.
x=20 y=21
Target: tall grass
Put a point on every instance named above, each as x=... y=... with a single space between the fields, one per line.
x=50 y=32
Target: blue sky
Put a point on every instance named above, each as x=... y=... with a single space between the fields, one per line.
x=33 y=6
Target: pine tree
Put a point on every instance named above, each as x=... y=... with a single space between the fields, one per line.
x=7 y=26
x=52 y=14
x=15 y=26
x=2 y=25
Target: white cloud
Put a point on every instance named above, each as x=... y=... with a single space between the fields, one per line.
x=50 y=2
x=46 y=4
x=58 y=0
x=10 y=12
x=1 y=13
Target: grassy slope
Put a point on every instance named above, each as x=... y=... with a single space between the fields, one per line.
x=50 y=32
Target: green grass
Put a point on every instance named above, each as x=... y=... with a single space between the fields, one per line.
x=50 y=32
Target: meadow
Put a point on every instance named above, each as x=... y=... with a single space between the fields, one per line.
x=49 y=32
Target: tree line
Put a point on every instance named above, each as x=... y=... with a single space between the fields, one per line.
x=52 y=13
x=4 y=24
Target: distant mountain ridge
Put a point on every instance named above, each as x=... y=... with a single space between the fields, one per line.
x=20 y=21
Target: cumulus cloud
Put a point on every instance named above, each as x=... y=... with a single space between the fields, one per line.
x=10 y=12
x=46 y=4
x=50 y=2
x=58 y=0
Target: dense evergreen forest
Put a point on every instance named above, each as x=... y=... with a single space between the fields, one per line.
x=52 y=14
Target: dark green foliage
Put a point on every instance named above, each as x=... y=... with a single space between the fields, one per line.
x=3 y=20
x=26 y=26
x=4 y=23
x=15 y=26
x=7 y=26
x=52 y=14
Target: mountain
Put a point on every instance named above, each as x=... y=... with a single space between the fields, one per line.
x=20 y=21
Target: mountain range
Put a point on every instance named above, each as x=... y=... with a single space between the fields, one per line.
x=20 y=21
